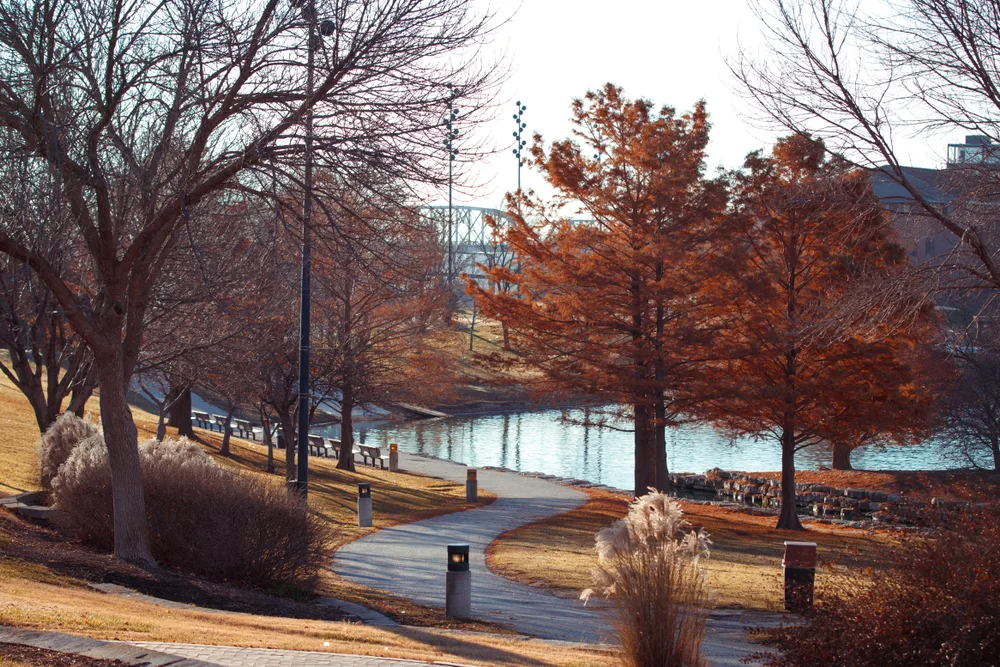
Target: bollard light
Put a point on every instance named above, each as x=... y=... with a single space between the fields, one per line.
x=458 y=557
x=799 y=566
x=393 y=457
x=471 y=486
x=364 y=505
x=458 y=583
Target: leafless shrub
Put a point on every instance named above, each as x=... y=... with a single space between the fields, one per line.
x=206 y=519
x=58 y=441
x=648 y=565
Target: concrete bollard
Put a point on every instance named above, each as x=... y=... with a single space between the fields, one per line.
x=799 y=565
x=471 y=486
x=458 y=583
x=393 y=457
x=364 y=505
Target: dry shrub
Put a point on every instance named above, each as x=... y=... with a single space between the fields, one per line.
x=648 y=566
x=205 y=519
x=938 y=604
x=58 y=441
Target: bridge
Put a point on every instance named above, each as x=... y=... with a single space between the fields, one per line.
x=471 y=234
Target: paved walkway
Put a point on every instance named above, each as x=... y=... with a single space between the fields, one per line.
x=410 y=561
x=234 y=656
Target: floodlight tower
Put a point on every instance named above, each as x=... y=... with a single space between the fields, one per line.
x=519 y=143
x=451 y=133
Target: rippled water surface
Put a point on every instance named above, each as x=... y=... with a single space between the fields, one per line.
x=543 y=442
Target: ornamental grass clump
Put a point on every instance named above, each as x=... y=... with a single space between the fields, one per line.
x=648 y=567
x=58 y=441
x=206 y=519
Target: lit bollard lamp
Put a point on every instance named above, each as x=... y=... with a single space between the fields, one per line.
x=799 y=566
x=458 y=584
x=393 y=457
x=471 y=486
x=365 y=505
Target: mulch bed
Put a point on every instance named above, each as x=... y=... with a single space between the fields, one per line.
x=42 y=657
x=23 y=541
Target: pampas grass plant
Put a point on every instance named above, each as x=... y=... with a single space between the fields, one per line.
x=648 y=566
x=58 y=441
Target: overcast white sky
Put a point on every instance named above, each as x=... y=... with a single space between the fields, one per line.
x=669 y=51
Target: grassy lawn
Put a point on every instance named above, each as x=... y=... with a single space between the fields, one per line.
x=43 y=599
x=744 y=568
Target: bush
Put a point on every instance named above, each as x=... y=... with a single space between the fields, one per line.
x=938 y=604
x=648 y=566
x=205 y=519
x=58 y=441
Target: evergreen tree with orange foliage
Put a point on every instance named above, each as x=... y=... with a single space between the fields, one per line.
x=609 y=306
x=805 y=360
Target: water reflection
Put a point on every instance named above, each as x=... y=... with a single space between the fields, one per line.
x=541 y=442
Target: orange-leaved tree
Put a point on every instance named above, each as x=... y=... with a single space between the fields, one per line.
x=609 y=305
x=802 y=365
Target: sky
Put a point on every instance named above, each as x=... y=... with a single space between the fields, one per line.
x=672 y=52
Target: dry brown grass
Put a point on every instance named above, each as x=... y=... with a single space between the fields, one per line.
x=43 y=601
x=744 y=569
x=397 y=497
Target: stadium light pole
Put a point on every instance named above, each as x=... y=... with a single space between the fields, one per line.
x=519 y=143
x=451 y=133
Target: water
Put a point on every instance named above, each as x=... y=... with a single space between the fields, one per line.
x=542 y=442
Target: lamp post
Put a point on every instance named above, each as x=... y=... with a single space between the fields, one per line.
x=451 y=133
x=326 y=28
x=519 y=143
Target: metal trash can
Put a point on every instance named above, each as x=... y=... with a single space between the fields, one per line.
x=799 y=566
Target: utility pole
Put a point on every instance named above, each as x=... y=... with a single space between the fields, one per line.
x=519 y=143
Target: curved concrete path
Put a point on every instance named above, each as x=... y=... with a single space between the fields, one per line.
x=410 y=561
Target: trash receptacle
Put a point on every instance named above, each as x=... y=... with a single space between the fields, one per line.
x=799 y=566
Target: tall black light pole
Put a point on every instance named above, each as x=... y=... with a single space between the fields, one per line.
x=308 y=9
x=519 y=143
x=451 y=133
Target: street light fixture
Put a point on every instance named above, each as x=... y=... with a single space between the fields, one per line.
x=326 y=28
x=519 y=143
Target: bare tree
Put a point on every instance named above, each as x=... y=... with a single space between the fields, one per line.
x=864 y=77
x=147 y=109
x=47 y=361
x=378 y=298
x=971 y=419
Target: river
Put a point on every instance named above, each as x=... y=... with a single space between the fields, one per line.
x=542 y=441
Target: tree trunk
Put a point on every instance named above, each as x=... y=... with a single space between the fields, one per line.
x=161 y=424
x=506 y=335
x=660 y=438
x=78 y=399
x=789 y=517
x=268 y=440
x=645 y=452
x=841 y=456
x=288 y=428
x=472 y=327
x=180 y=414
x=996 y=453
x=227 y=432
x=346 y=461
x=131 y=530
